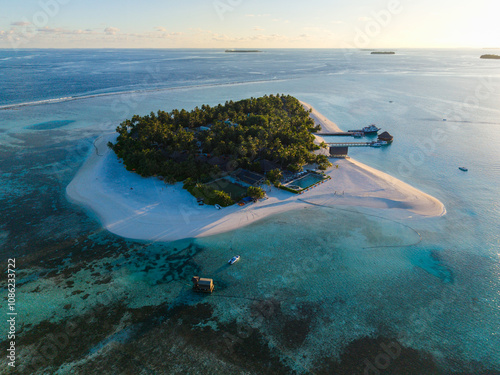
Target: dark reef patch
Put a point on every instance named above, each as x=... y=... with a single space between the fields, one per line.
x=50 y=125
x=291 y=327
x=157 y=340
x=386 y=356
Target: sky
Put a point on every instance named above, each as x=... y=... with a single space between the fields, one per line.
x=248 y=24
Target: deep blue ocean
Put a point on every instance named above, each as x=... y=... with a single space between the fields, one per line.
x=318 y=290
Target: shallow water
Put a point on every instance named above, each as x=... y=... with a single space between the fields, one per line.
x=311 y=283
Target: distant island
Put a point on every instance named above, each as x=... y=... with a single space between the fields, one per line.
x=242 y=50
x=271 y=134
x=490 y=57
x=383 y=53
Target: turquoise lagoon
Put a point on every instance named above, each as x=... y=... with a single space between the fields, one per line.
x=317 y=290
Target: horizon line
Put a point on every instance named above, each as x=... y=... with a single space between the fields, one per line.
x=241 y=48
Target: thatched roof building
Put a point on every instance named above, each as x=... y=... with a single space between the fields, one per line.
x=385 y=136
x=202 y=285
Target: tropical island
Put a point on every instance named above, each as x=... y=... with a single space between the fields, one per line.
x=383 y=53
x=272 y=135
x=242 y=50
x=490 y=56
x=209 y=147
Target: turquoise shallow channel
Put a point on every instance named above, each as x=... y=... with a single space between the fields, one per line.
x=317 y=290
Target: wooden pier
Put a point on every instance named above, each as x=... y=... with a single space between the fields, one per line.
x=350 y=144
x=342 y=134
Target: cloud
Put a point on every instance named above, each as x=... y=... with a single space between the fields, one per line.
x=58 y=31
x=256 y=38
x=49 y=30
x=364 y=19
x=20 y=23
x=271 y=37
x=111 y=30
x=317 y=30
x=159 y=34
x=80 y=32
x=62 y=36
x=280 y=20
x=262 y=38
x=256 y=28
x=257 y=15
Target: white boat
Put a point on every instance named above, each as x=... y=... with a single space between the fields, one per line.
x=376 y=144
x=217 y=206
x=366 y=130
x=463 y=169
x=234 y=259
x=370 y=129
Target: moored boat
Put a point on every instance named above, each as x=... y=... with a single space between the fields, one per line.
x=370 y=129
x=367 y=129
x=463 y=169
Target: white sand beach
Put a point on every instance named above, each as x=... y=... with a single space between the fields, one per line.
x=327 y=125
x=148 y=209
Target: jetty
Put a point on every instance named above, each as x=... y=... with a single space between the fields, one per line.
x=343 y=134
x=350 y=144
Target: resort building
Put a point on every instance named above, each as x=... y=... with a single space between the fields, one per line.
x=202 y=285
x=267 y=165
x=248 y=177
x=339 y=151
x=385 y=136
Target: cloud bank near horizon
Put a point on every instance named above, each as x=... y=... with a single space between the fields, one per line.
x=243 y=24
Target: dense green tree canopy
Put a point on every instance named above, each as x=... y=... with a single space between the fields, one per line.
x=255 y=192
x=274 y=175
x=200 y=143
